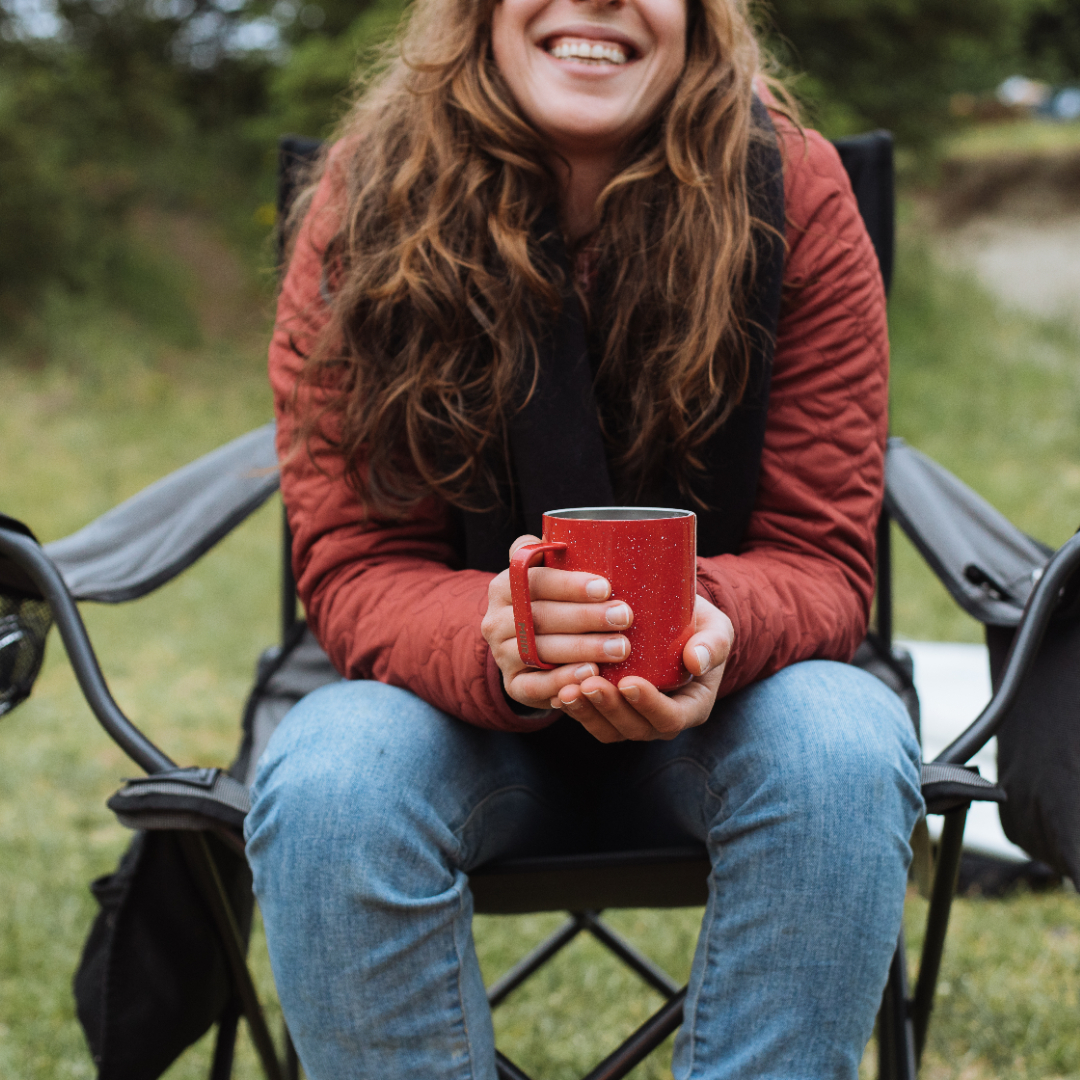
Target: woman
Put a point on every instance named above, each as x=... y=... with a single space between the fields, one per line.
x=542 y=267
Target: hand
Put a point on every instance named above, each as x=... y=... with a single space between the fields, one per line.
x=636 y=709
x=578 y=626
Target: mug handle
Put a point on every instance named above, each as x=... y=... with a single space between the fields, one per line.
x=527 y=555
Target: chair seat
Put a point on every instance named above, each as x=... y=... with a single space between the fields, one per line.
x=665 y=878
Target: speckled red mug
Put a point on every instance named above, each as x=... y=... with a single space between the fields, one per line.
x=649 y=555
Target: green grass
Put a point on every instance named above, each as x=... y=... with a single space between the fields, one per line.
x=995 y=397
x=106 y=407
x=1013 y=138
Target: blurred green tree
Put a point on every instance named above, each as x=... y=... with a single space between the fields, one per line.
x=128 y=100
x=123 y=101
x=1051 y=41
x=895 y=63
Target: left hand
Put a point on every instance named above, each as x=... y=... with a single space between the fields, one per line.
x=636 y=710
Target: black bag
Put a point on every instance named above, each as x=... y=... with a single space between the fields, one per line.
x=153 y=976
x=1039 y=748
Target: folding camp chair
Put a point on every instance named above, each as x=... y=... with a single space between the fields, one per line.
x=991 y=568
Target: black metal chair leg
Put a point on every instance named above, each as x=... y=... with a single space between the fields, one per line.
x=946 y=871
x=225 y=1043
x=292 y=1062
x=896 y=1036
x=202 y=866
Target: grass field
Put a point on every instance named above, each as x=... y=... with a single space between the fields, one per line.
x=101 y=407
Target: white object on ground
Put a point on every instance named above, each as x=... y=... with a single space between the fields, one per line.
x=953 y=683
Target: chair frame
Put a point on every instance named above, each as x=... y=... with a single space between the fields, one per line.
x=905 y=1014
x=584 y=884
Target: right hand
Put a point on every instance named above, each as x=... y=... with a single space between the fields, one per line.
x=578 y=627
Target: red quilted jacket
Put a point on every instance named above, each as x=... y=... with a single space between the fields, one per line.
x=386 y=602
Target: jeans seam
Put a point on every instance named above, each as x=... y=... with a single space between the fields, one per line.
x=693 y=763
x=470 y=1070
x=460 y=830
x=690 y=1010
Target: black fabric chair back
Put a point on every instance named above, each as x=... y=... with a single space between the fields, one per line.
x=868 y=160
x=295 y=154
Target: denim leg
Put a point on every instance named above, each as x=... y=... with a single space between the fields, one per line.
x=805 y=788
x=368 y=808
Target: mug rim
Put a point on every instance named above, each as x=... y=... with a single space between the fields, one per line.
x=618 y=513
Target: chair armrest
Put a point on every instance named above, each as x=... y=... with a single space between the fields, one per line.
x=150 y=538
x=1043 y=602
x=21 y=551
x=988 y=565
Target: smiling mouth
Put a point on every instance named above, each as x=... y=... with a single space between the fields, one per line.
x=582 y=50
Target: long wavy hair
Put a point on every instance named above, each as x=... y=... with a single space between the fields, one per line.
x=439 y=288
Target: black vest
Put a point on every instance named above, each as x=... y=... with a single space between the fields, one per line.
x=557 y=450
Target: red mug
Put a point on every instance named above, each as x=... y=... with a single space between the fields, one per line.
x=649 y=557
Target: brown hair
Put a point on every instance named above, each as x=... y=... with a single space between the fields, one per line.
x=439 y=288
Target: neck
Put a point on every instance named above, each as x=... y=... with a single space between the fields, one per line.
x=581 y=180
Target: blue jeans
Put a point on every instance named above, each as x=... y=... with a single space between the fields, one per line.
x=371 y=807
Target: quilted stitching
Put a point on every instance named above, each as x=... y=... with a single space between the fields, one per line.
x=385 y=601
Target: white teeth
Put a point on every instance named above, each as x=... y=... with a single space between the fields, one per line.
x=589 y=50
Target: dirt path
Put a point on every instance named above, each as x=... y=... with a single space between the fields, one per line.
x=1028 y=263
x=1013 y=219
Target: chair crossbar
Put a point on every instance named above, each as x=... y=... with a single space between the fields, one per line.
x=505 y=1069
x=644 y=1040
x=628 y=1054
x=655 y=976
x=508 y=983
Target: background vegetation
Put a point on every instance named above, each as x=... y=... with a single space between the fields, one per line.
x=110 y=106
x=116 y=406
x=136 y=182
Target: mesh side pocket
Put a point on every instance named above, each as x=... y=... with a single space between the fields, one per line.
x=24 y=626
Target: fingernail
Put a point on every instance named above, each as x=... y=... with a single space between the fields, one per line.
x=631 y=692
x=593 y=695
x=704 y=657
x=615 y=647
x=584 y=672
x=618 y=615
x=598 y=589
x=575 y=704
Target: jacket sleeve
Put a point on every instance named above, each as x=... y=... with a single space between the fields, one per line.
x=386 y=601
x=801 y=585
x=382 y=598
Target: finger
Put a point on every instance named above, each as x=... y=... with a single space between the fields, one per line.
x=577 y=706
x=553 y=618
x=616 y=710
x=556 y=617
x=547 y=583
x=711 y=643
x=526 y=538
x=569 y=649
x=550 y=584
x=668 y=714
x=537 y=688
